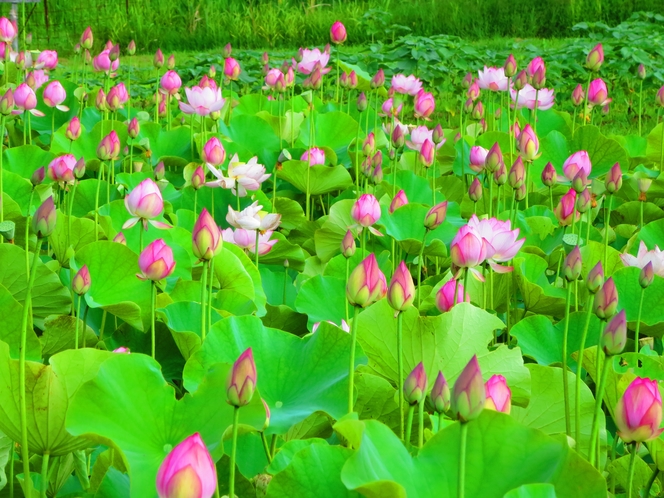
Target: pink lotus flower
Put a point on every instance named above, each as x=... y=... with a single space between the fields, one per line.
x=188 y=470
x=208 y=82
x=445 y=295
x=240 y=176
x=644 y=256
x=273 y=78
x=406 y=85
x=638 y=413
x=61 y=169
x=314 y=156
x=389 y=109
x=477 y=158
x=122 y=350
x=366 y=212
x=500 y=241
x=566 y=208
x=424 y=105
x=310 y=58
x=415 y=385
x=109 y=147
x=144 y=203
x=202 y=101
x=206 y=237
x=213 y=152
x=579 y=161
x=366 y=283
x=36 y=79
x=73 y=131
x=468 y=249
x=344 y=326
x=102 y=62
x=241 y=380
x=528 y=96
x=598 y=95
x=231 y=69
x=418 y=136
x=170 y=83
x=401 y=292
x=473 y=92
x=7 y=30
x=47 y=59
x=399 y=200
x=492 y=78
x=468 y=393
x=338 y=33
x=25 y=100
x=246 y=239
x=253 y=218
x=54 y=95
x=535 y=65
x=156 y=261
x=498 y=394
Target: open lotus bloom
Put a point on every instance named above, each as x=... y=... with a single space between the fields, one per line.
x=202 y=101
x=407 y=85
x=501 y=242
x=240 y=176
x=253 y=218
x=492 y=78
x=528 y=96
x=654 y=256
x=310 y=58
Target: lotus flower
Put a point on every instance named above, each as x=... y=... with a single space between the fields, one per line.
x=654 y=256
x=310 y=58
x=54 y=95
x=638 y=413
x=314 y=156
x=25 y=100
x=528 y=96
x=188 y=470
x=145 y=203
x=445 y=295
x=500 y=241
x=407 y=85
x=492 y=78
x=253 y=218
x=498 y=394
x=241 y=176
x=61 y=169
x=202 y=101
x=156 y=261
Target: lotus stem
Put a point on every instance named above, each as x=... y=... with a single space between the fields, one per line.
x=638 y=322
x=231 y=477
x=77 y=318
x=209 y=294
x=266 y=448
x=153 y=305
x=640 y=109
x=651 y=481
x=351 y=370
x=420 y=419
x=594 y=433
x=607 y=224
x=419 y=269
x=203 y=300
x=2 y=139
x=585 y=102
x=346 y=281
x=579 y=369
x=409 y=424
x=565 y=380
x=44 y=475
x=462 y=461
x=632 y=466
x=400 y=372
x=256 y=248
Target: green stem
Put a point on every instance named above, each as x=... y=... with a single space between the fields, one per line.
x=650 y=482
x=579 y=369
x=594 y=433
x=638 y=322
x=308 y=195
x=273 y=444
x=574 y=122
x=347 y=273
x=632 y=466
x=101 y=169
x=351 y=370
x=462 y=461
x=44 y=475
x=409 y=423
x=25 y=452
x=641 y=214
x=209 y=294
x=465 y=285
x=336 y=95
x=420 y=419
x=491 y=195
x=12 y=460
x=153 y=305
x=266 y=448
x=203 y=299
x=78 y=317
x=463 y=164
x=231 y=477
x=527 y=180
x=661 y=161
x=419 y=269
x=565 y=379
x=2 y=140
x=441 y=417
x=607 y=223
x=640 y=112
x=400 y=372
x=585 y=102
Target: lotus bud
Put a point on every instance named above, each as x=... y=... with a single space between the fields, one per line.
x=638 y=414
x=316 y=78
x=528 y=144
x=73 y=131
x=158 y=60
x=401 y=291
x=206 y=237
x=606 y=300
x=578 y=96
x=539 y=78
x=369 y=145
x=100 y=101
x=580 y=181
x=38 y=176
x=109 y=147
x=170 y=62
x=494 y=158
x=366 y=210
x=79 y=168
x=468 y=393
x=500 y=175
x=415 y=385
x=517 y=174
x=352 y=80
x=348 y=245
x=498 y=394
x=583 y=201
x=338 y=33
x=614 y=336
x=438 y=135
x=445 y=296
x=7 y=103
x=436 y=215
x=231 y=69
x=187 y=469
x=87 y=38
x=398 y=137
x=427 y=153
x=378 y=79
x=134 y=128
x=81 y=282
x=647 y=275
x=595 y=58
x=595 y=278
x=549 y=176
x=120 y=239
x=366 y=283
x=198 y=178
x=362 y=102
x=473 y=92
x=613 y=180
x=467 y=80
x=399 y=200
x=573 y=264
x=641 y=72
x=468 y=106
x=475 y=190
x=521 y=80
x=377 y=174
x=478 y=111
x=520 y=193
x=156 y=261
x=227 y=50
x=43 y=221
x=131 y=48
x=213 y=152
x=114 y=53
x=159 y=171
x=440 y=394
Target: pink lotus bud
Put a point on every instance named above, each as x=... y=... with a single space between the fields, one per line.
x=534 y=65
x=468 y=107
x=473 y=92
x=241 y=380
x=198 y=178
x=478 y=110
x=638 y=413
x=598 y=93
x=7 y=30
x=435 y=216
x=445 y=295
x=162 y=108
x=475 y=190
x=87 y=39
x=7 y=103
x=500 y=175
x=48 y=59
x=156 y=261
x=399 y=200
x=314 y=157
x=438 y=135
x=573 y=264
x=134 y=128
x=362 y=102
x=595 y=278
x=613 y=180
x=583 y=201
x=424 y=105
x=131 y=48
x=467 y=249
x=38 y=176
x=521 y=80
x=494 y=158
x=528 y=144
x=265 y=58
x=348 y=245
x=366 y=210
x=520 y=193
x=468 y=393
x=114 y=53
x=467 y=80
x=440 y=394
x=231 y=69
x=566 y=208
x=579 y=182
x=61 y=169
x=343 y=80
x=338 y=33
x=478 y=158
x=24 y=97
x=605 y=109
x=158 y=60
x=427 y=153
x=170 y=62
x=398 y=137
x=122 y=350
x=188 y=470
x=415 y=385
x=498 y=394
x=595 y=58
x=171 y=82
x=510 y=66
x=316 y=77
x=227 y=51
x=73 y=131
x=113 y=100
x=614 y=337
x=517 y=173
x=366 y=283
x=377 y=174
x=577 y=96
x=81 y=282
x=109 y=147
x=606 y=300
x=120 y=239
x=87 y=58
x=369 y=145
x=206 y=237
x=43 y=221
x=641 y=72
x=647 y=275
x=213 y=152
x=378 y=79
x=145 y=200
x=401 y=292
x=159 y=171
x=79 y=168
x=539 y=78
x=352 y=80
x=549 y=176
x=579 y=161
x=100 y=101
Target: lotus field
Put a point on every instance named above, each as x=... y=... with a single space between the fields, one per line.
x=295 y=282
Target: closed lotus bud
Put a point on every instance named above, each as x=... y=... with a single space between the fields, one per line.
x=498 y=394
x=73 y=131
x=378 y=79
x=109 y=147
x=38 y=176
x=614 y=336
x=521 y=80
x=7 y=103
x=79 y=168
x=377 y=174
x=158 y=60
x=156 y=261
x=438 y=135
x=583 y=201
x=573 y=264
x=578 y=96
x=475 y=190
x=198 y=178
x=539 y=78
x=338 y=33
x=81 y=282
x=114 y=53
x=644 y=185
x=134 y=128
x=170 y=62
x=468 y=106
x=401 y=291
x=549 y=176
x=241 y=380
x=595 y=278
x=467 y=80
x=415 y=385
x=598 y=93
x=43 y=222
x=159 y=171
x=131 y=48
x=427 y=153
x=399 y=200
x=595 y=58
x=436 y=215
x=188 y=470
x=120 y=239
x=87 y=38
x=100 y=101
x=352 y=80
x=528 y=144
x=641 y=72
x=647 y=275
x=517 y=174
x=440 y=394
x=494 y=158
x=61 y=169
x=638 y=413
x=613 y=180
x=500 y=175
x=606 y=300
x=366 y=210
x=580 y=181
x=231 y=69
x=316 y=78
x=362 y=102
x=398 y=137
x=227 y=50
x=566 y=208
x=473 y=92
x=445 y=296
x=510 y=66
x=478 y=110
x=369 y=145
x=520 y=193
x=424 y=105
x=348 y=245
x=366 y=283
x=213 y=152
x=468 y=393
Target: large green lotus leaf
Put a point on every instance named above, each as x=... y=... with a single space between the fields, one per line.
x=445 y=342
x=619 y=470
x=654 y=147
x=501 y=454
x=377 y=400
x=631 y=212
x=554 y=149
x=281 y=126
x=12 y=322
x=538 y=225
x=629 y=295
x=604 y=152
x=86 y=193
x=183 y=318
x=539 y=296
x=322 y=298
x=406 y=225
x=165 y=143
x=278 y=286
x=129 y=403
x=328 y=238
x=86 y=145
x=313 y=472
x=322 y=179
x=296 y=377
x=6 y=452
x=652 y=234
x=60 y=334
x=253 y=134
x=52 y=115
x=542 y=340
x=417 y=189
x=546 y=410
x=292 y=214
x=49 y=296
x=533 y=491
x=233 y=278
x=24 y=160
x=284 y=250
x=49 y=389
x=332 y=129
x=79 y=233
x=19 y=189
x=114 y=285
